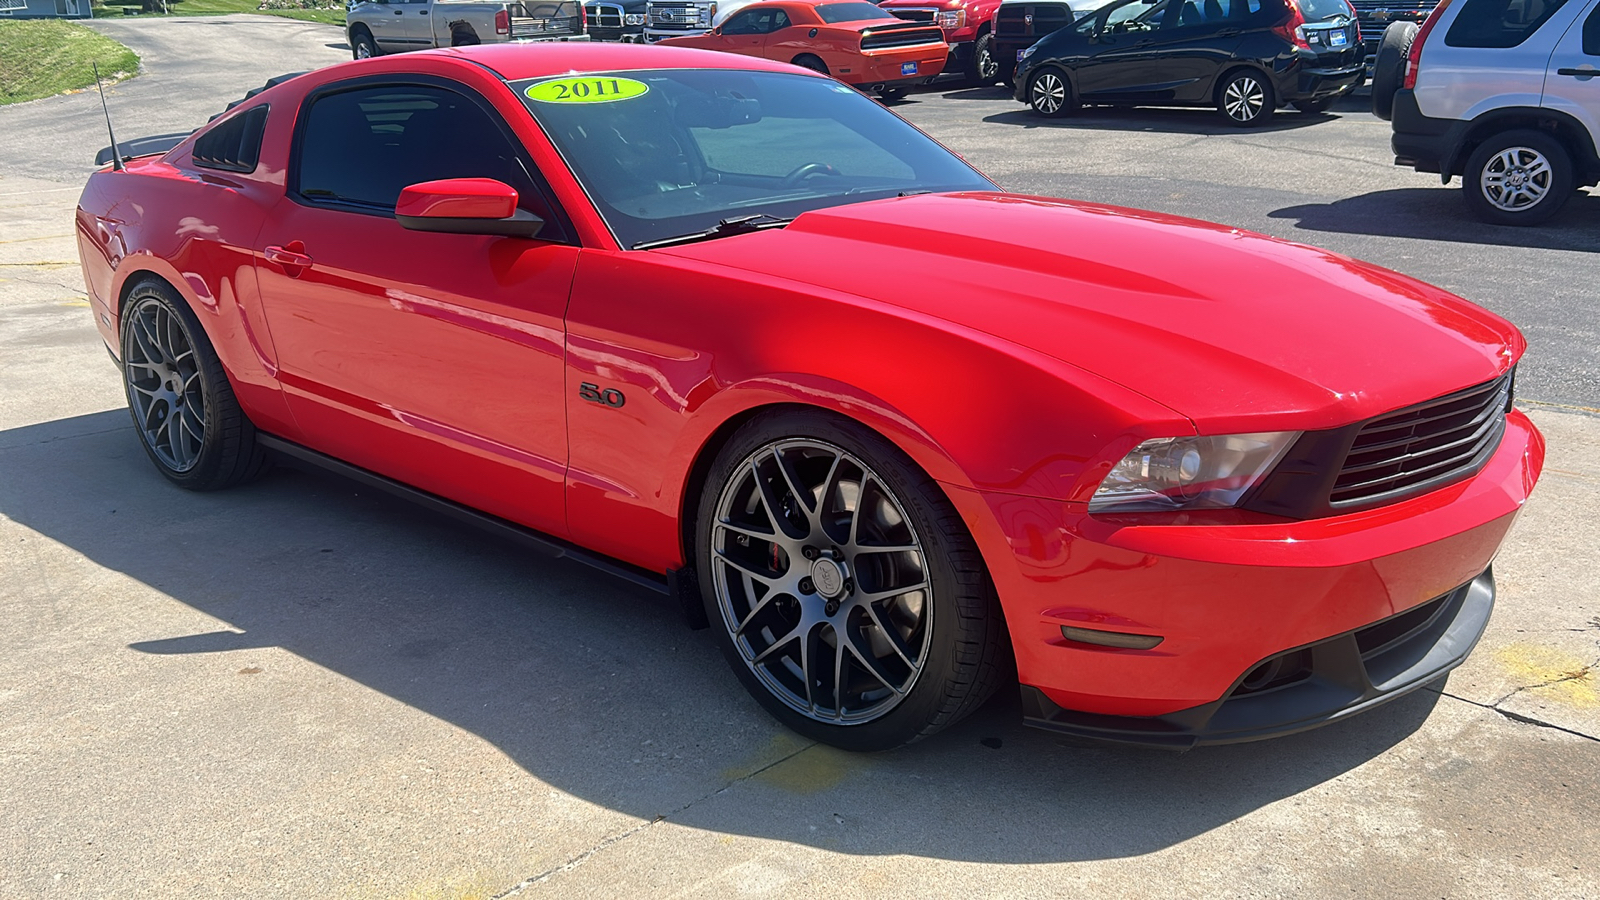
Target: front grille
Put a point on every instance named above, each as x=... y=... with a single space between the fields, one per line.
x=1017 y=20
x=1423 y=446
x=915 y=15
x=603 y=15
x=900 y=37
x=1375 y=15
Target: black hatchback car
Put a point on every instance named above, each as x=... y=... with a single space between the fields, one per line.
x=1245 y=57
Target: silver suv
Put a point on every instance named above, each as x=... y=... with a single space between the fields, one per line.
x=1505 y=94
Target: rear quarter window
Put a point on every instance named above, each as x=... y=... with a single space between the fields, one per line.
x=1499 y=24
x=233 y=145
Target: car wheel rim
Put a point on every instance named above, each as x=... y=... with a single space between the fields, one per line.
x=1049 y=93
x=821 y=581
x=164 y=385
x=1243 y=99
x=1516 y=179
x=363 y=51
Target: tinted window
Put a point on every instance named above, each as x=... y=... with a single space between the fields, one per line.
x=850 y=12
x=361 y=147
x=1499 y=23
x=688 y=148
x=1318 y=10
x=234 y=145
x=1136 y=15
x=1591 y=33
x=757 y=21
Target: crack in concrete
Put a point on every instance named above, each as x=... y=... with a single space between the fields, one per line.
x=583 y=857
x=1574 y=675
x=1521 y=718
x=64 y=437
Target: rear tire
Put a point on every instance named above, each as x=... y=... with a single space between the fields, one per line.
x=839 y=638
x=807 y=61
x=1518 y=177
x=1388 y=66
x=1050 y=93
x=183 y=407
x=892 y=95
x=1244 y=98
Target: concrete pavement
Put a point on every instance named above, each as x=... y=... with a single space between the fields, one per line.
x=302 y=689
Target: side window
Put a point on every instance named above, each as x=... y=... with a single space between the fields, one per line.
x=780 y=19
x=361 y=147
x=1591 y=33
x=743 y=23
x=1499 y=24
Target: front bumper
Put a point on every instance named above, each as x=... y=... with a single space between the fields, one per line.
x=1225 y=597
x=1307 y=687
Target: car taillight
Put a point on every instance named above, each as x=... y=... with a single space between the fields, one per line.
x=1293 y=30
x=1354 y=20
x=1414 y=55
x=502 y=22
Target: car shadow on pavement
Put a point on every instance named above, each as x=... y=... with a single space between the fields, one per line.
x=1166 y=120
x=1437 y=214
x=594 y=686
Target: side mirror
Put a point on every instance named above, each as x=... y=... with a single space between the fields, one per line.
x=465 y=206
x=717 y=30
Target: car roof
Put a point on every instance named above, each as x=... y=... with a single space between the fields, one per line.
x=514 y=61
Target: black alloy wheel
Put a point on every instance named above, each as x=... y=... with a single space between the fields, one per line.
x=983 y=68
x=1050 y=93
x=893 y=95
x=1245 y=98
x=807 y=61
x=362 y=46
x=849 y=598
x=183 y=407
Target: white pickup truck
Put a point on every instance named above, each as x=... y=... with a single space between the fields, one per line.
x=376 y=27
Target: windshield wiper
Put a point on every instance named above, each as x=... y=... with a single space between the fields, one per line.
x=724 y=228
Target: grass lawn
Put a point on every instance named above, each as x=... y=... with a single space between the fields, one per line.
x=41 y=57
x=103 y=8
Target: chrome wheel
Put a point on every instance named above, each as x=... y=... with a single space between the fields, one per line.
x=1244 y=98
x=1048 y=94
x=164 y=385
x=1516 y=179
x=821 y=581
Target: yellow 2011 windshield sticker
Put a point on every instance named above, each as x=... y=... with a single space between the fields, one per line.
x=587 y=89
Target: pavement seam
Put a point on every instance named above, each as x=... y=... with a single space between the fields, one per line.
x=1574 y=675
x=64 y=437
x=583 y=857
x=1519 y=717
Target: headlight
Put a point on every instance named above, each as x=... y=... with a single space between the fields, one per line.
x=633 y=19
x=951 y=18
x=1025 y=54
x=1165 y=474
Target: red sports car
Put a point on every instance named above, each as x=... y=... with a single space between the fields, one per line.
x=852 y=40
x=733 y=330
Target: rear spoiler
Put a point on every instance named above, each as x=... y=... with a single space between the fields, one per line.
x=145 y=146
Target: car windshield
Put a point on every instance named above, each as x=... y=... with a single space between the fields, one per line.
x=851 y=12
x=671 y=152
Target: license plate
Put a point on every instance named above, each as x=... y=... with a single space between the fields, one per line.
x=1019 y=55
x=1338 y=38
x=909 y=68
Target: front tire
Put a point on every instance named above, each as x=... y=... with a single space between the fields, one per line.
x=183 y=407
x=1050 y=93
x=848 y=596
x=362 y=46
x=983 y=68
x=1520 y=177
x=814 y=63
x=1245 y=99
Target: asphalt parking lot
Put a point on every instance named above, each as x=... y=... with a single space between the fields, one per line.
x=302 y=689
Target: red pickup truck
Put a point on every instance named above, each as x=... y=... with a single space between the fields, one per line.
x=968 y=29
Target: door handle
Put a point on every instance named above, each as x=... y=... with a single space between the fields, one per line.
x=293 y=257
x=1144 y=43
x=399 y=12
x=1578 y=73
x=422 y=12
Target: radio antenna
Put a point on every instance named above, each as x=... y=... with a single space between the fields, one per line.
x=116 y=156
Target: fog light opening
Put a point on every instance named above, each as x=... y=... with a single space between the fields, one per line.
x=1120 y=640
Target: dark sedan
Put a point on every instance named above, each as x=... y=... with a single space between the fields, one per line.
x=1245 y=57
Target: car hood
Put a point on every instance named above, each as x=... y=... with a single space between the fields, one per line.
x=1235 y=330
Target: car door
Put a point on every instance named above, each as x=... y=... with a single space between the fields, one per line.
x=418 y=18
x=1191 y=48
x=1121 y=51
x=1572 y=84
x=387 y=22
x=435 y=359
x=745 y=32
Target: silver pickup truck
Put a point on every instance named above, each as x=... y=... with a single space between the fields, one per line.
x=376 y=27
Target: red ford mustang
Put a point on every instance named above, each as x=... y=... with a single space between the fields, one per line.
x=731 y=329
x=852 y=40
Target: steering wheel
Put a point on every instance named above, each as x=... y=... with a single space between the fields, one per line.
x=800 y=174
